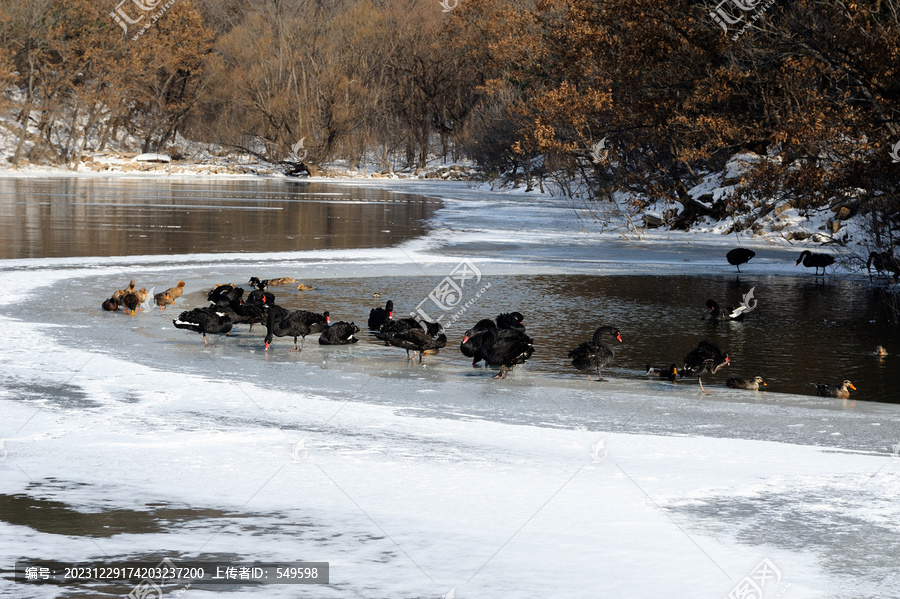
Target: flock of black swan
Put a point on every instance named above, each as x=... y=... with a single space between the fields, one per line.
x=500 y=342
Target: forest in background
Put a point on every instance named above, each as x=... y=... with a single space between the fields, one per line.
x=634 y=96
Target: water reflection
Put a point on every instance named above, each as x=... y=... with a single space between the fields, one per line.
x=42 y=218
x=800 y=333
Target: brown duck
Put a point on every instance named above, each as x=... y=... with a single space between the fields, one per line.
x=841 y=391
x=749 y=384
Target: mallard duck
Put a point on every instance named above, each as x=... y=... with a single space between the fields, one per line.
x=668 y=373
x=131 y=303
x=840 y=391
x=110 y=305
x=305 y=287
x=256 y=281
x=749 y=384
x=163 y=299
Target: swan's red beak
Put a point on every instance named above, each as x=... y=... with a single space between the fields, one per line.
x=619 y=337
x=466 y=338
x=264 y=299
x=328 y=319
x=390 y=314
x=727 y=360
x=267 y=346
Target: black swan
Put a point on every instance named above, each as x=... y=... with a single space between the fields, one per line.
x=594 y=354
x=504 y=348
x=883 y=262
x=225 y=293
x=261 y=295
x=298 y=323
x=414 y=339
x=669 y=373
x=399 y=326
x=706 y=358
x=716 y=313
x=241 y=313
x=511 y=320
x=817 y=261
x=204 y=320
x=378 y=316
x=841 y=391
x=739 y=256
x=340 y=333
x=749 y=384
x=473 y=339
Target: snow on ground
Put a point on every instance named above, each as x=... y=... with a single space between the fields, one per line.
x=412 y=481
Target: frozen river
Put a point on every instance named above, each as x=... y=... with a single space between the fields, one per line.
x=126 y=439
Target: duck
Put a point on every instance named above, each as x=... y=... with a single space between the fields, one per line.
x=305 y=287
x=817 y=261
x=594 y=354
x=841 y=391
x=749 y=384
x=504 y=348
x=415 y=339
x=118 y=295
x=163 y=299
x=204 y=320
x=378 y=316
x=176 y=291
x=299 y=323
x=706 y=358
x=110 y=305
x=669 y=373
x=131 y=303
x=739 y=256
x=142 y=295
x=340 y=333
x=256 y=281
x=880 y=351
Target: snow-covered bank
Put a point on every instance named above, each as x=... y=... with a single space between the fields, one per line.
x=414 y=480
